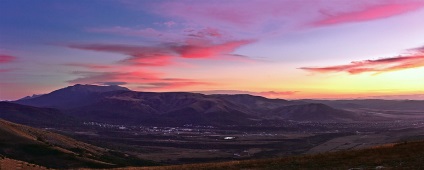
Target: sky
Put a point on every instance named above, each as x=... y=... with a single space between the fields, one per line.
x=291 y=49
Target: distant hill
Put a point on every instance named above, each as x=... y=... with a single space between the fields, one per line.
x=34 y=116
x=52 y=150
x=378 y=104
x=313 y=112
x=257 y=103
x=31 y=97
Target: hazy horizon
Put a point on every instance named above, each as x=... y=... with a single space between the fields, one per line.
x=267 y=94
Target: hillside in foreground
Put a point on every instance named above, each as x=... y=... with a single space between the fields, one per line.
x=7 y=163
x=407 y=155
x=53 y=150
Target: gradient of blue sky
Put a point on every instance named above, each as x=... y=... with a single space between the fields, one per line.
x=286 y=49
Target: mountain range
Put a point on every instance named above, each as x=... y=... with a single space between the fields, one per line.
x=115 y=104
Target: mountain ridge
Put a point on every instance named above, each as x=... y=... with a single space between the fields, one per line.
x=114 y=104
x=34 y=116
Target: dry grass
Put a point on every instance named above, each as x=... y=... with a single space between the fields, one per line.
x=57 y=151
x=6 y=164
x=396 y=156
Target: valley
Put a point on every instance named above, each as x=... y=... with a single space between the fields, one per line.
x=196 y=144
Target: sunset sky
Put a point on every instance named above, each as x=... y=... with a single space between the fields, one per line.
x=279 y=49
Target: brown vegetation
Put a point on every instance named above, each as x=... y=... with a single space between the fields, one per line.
x=57 y=151
x=398 y=156
x=6 y=163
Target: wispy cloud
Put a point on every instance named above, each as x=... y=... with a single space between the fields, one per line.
x=165 y=35
x=137 y=55
x=172 y=84
x=112 y=83
x=6 y=70
x=89 y=66
x=231 y=13
x=367 y=13
x=255 y=15
x=276 y=94
x=198 y=30
x=6 y=58
x=90 y=77
x=205 y=49
x=412 y=60
x=145 y=80
x=196 y=45
x=204 y=33
x=139 y=32
x=163 y=54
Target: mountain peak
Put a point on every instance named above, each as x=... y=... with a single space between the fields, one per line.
x=31 y=97
x=95 y=88
x=71 y=96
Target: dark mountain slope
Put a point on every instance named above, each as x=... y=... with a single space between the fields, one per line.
x=258 y=103
x=313 y=112
x=34 y=116
x=412 y=105
x=163 y=108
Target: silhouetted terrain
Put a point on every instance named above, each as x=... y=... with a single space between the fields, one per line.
x=379 y=104
x=120 y=105
x=313 y=112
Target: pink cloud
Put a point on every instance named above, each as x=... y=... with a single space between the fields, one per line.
x=419 y=49
x=6 y=58
x=259 y=15
x=277 y=94
x=128 y=77
x=158 y=60
x=89 y=66
x=202 y=49
x=413 y=60
x=6 y=70
x=143 y=79
x=172 y=85
x=138 y=55
x=374 y=12
x=155 y=55
x=161 y=55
